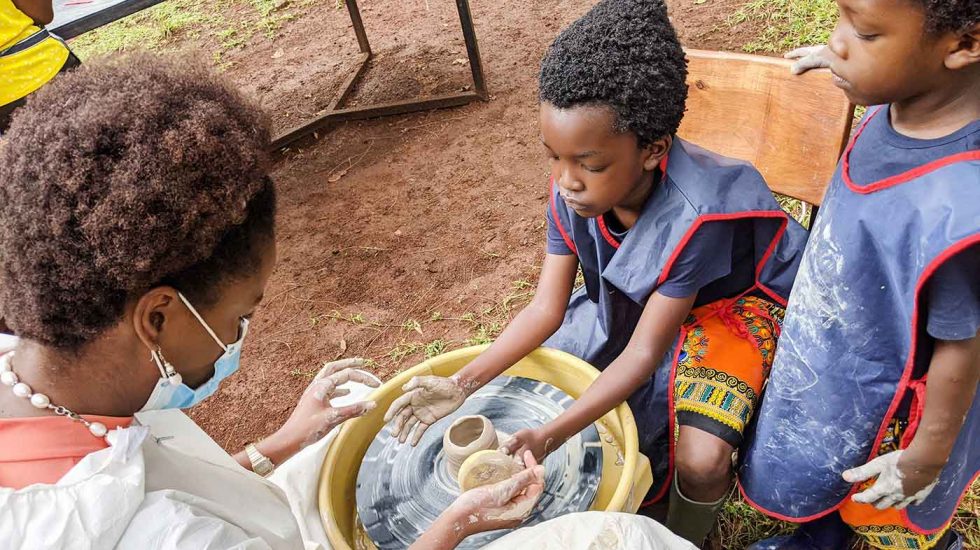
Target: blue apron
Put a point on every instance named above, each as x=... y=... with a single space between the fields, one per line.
x=846 y=357
x=697 y=187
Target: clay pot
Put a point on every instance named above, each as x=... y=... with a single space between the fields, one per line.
x=486 y=468
x=467 y=435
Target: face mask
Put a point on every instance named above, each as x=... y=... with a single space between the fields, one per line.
x=170 y=391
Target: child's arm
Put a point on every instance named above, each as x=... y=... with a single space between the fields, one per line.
x=656 y=331
x=531 y=327
x=950 y=389
x=41 y=11
x=908 y=476
x=429 y=398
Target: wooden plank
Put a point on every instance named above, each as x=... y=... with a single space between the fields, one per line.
x=472 y=49
x=372 y=111
x=72 y=21
x=792 y=128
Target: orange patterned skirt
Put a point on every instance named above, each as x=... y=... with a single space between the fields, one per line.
x=724 y=361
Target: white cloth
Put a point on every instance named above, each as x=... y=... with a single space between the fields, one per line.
x=164 y=484
x=594 y=531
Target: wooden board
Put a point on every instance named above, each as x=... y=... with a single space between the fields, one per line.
x=792 y=128
x=76 y=17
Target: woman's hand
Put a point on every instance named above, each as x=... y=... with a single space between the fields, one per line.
x=503 y=505
x=426 y=400
x=314 y=417
x=538 y=441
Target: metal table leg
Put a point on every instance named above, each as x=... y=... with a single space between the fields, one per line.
x=332 y=114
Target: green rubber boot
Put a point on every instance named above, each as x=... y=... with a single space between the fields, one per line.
x=689 y=519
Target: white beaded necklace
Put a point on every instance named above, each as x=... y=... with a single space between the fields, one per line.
x=9 y=378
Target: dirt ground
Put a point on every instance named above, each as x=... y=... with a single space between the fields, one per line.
x=407 y=235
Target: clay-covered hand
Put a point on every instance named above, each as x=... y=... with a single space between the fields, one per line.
x=426 y=400
x=538 y=441
x=504 y=504
x=314 y=417
x=900 y=481
x=807 y=58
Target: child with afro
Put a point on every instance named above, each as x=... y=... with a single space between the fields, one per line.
x=687 y=260
x=870 y=423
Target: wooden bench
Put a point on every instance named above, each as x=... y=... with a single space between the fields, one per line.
x=793 y=128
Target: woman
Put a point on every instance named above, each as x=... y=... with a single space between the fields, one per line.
x=137 y=239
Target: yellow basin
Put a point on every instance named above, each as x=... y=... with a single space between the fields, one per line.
x=626 y=473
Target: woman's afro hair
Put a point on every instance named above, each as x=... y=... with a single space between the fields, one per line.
x=116 y=177
x=623 y=54
x=950 y=15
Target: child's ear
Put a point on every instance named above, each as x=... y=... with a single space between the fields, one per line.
x=655 y=152
x=966 y=50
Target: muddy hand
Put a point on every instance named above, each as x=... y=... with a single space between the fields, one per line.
x=505 y=504
x=314 y=416
x=426 y=400
x=807 y=58
x=326 y=384
x=888 y=490
x=536 y=441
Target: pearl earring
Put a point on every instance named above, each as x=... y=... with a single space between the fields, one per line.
x=166 y=369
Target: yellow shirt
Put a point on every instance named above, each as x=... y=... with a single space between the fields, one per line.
x=26 y=71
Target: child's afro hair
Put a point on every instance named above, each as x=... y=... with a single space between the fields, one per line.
x=623 y=54
x=950 y=15
x=121 y=176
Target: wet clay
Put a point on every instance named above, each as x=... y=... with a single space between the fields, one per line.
x=466 y=436
x=485 y=468
x=394 y=478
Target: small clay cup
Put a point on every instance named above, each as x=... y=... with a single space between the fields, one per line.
x=467 y=435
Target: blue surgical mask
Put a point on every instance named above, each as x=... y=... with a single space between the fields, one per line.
x=170 y=391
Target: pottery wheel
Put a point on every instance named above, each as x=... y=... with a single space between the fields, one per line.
x=402 y=489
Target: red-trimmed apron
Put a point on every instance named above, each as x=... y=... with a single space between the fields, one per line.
x=846 y=357
x=697 y=188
